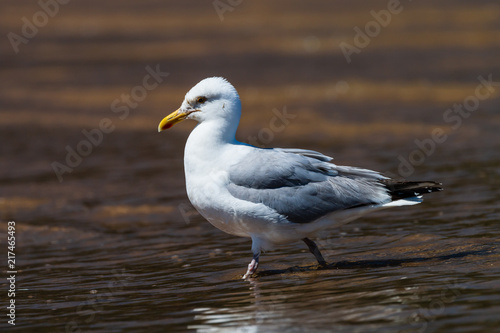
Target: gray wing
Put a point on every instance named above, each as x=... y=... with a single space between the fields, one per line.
x=301 y=185
x=306 y=152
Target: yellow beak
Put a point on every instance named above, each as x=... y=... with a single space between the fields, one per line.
x=172 y=119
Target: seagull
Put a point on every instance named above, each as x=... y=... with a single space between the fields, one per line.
x=272 y=195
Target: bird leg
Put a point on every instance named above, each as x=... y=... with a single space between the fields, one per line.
x=314 y=250
x=252 y=266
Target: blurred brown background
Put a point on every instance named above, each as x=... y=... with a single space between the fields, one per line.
x=282 y=55
x=285 y=56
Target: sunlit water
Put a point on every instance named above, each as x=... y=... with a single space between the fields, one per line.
x=152 y=263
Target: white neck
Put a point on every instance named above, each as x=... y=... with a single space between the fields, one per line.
x=210 y=133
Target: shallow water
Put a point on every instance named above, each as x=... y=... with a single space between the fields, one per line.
x=117 y=247
x=136 y=264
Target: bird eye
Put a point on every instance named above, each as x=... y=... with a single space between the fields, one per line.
x=201 y=100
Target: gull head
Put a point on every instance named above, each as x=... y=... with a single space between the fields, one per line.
x=212 y=99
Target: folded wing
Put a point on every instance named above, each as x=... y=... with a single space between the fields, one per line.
x=302 y=186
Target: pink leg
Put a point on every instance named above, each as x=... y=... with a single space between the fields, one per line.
x=252 y=266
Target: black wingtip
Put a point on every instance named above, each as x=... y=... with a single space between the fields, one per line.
x=402 y=189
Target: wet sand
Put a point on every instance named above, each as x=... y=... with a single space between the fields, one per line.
x=110 y=242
